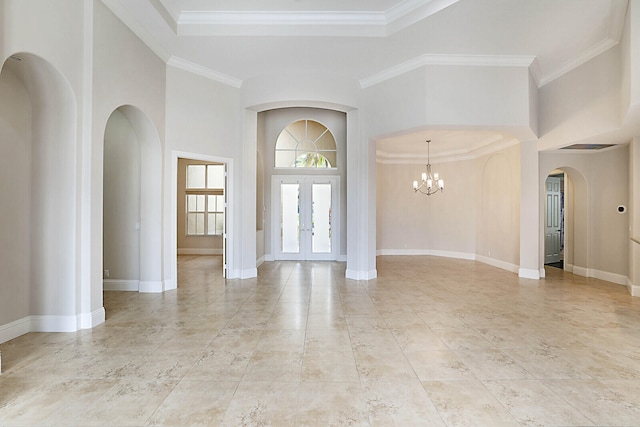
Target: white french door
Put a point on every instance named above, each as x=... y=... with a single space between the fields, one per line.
x=305 y=217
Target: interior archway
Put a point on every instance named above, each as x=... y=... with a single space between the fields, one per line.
x=132 y=203
x=576 y=242
x=38 y=142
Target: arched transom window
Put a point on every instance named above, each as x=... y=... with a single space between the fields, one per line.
x=305 y=144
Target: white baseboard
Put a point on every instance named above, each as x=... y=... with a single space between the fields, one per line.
x=361 y=274
x=89 y=320
x=51 y=324
x=342 y=258
x=54 y=323
x=260 y=261
x=529 y=273
x=15 y=329
x=269 y=258
x=634 y=290
x=248 y=273
x=199 y=251
x=618 y=279
x=120 y=285
x=169 y=285
x=504 y=265
x=151 y=286
x=452 y=254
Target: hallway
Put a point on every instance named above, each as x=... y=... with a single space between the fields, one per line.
x=432 y=341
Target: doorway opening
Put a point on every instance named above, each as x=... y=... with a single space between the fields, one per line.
x=554 y=220
x=201 y=215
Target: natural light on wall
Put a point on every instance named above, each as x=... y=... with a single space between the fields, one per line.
x=305 y=144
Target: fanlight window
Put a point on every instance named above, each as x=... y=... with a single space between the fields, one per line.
x=305 y=144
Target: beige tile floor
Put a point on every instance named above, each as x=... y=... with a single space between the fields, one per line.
x=432 y=341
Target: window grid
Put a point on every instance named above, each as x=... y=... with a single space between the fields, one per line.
x=204 y=200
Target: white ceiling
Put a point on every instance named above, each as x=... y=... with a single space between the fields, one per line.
x=366 y=40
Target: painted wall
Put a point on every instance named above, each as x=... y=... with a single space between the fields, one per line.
x=15 y=191
x=121 y=224
x=600 y=182
x=582 y=103
x=127 y=73
x=272 y=123
x=498 y=198
x=202 y=120
x=476 y=217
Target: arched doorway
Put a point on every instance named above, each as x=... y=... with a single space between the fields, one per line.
x=38 y=170
x=132 y=203
x=573 y=225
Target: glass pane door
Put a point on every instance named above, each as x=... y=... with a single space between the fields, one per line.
x=305 y=217
x=290 y=218
x=321 y=218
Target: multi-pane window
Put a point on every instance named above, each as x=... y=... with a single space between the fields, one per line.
x=305 y=144
x=205 y=200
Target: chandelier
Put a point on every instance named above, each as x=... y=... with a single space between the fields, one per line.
x=431 y=183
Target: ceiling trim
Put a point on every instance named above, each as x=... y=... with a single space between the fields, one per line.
x=459 y=60
x=383 y=157
x=204 y=72
x=137 y=28
x=584 y=57
x=310 y=23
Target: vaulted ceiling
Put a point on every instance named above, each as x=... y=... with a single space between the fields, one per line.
x=371 y=40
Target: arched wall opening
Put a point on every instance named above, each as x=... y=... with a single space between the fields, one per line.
x=38 y=213
x=132 y=245
x=576 y=241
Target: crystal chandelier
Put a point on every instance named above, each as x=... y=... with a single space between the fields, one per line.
x=431 y=183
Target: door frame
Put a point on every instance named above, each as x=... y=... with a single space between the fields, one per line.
x=559 y=218
x=228 y=237
x=276 y=180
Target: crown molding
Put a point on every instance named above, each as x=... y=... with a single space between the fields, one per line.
x=584 y=57
x=137 y=28
x=204 y=72
x=310 y=23
x=445 y=157
x=458 y=60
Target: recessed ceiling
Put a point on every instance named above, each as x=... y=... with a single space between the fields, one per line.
x=361 y=39
x=371 y=40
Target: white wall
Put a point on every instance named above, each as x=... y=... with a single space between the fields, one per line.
x=600 y=234
x=203 y=118
x=127 y=74
x=582 y=103
x=121 y=252
x=476 y=217
x=272 y=123
x=15 y=191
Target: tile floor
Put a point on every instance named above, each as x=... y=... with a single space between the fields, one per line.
x=432 y=341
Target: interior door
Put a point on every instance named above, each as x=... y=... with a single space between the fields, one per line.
x=552 y=221
x=305 y=218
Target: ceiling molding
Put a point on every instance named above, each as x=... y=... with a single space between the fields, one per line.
x=122 y=13
x=409 y=12
x=204 y=72
x=383 y=157
x=574 y=63
x=310 y=23
x=458 y=60
x=169 y=13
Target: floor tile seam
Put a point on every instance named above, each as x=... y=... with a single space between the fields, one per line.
x=559 y=396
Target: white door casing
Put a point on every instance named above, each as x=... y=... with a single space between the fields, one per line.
x=552 y=241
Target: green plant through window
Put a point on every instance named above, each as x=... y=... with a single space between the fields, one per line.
x=305 y=144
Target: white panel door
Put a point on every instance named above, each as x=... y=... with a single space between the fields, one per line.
x=305 y=218
x=552 y=241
